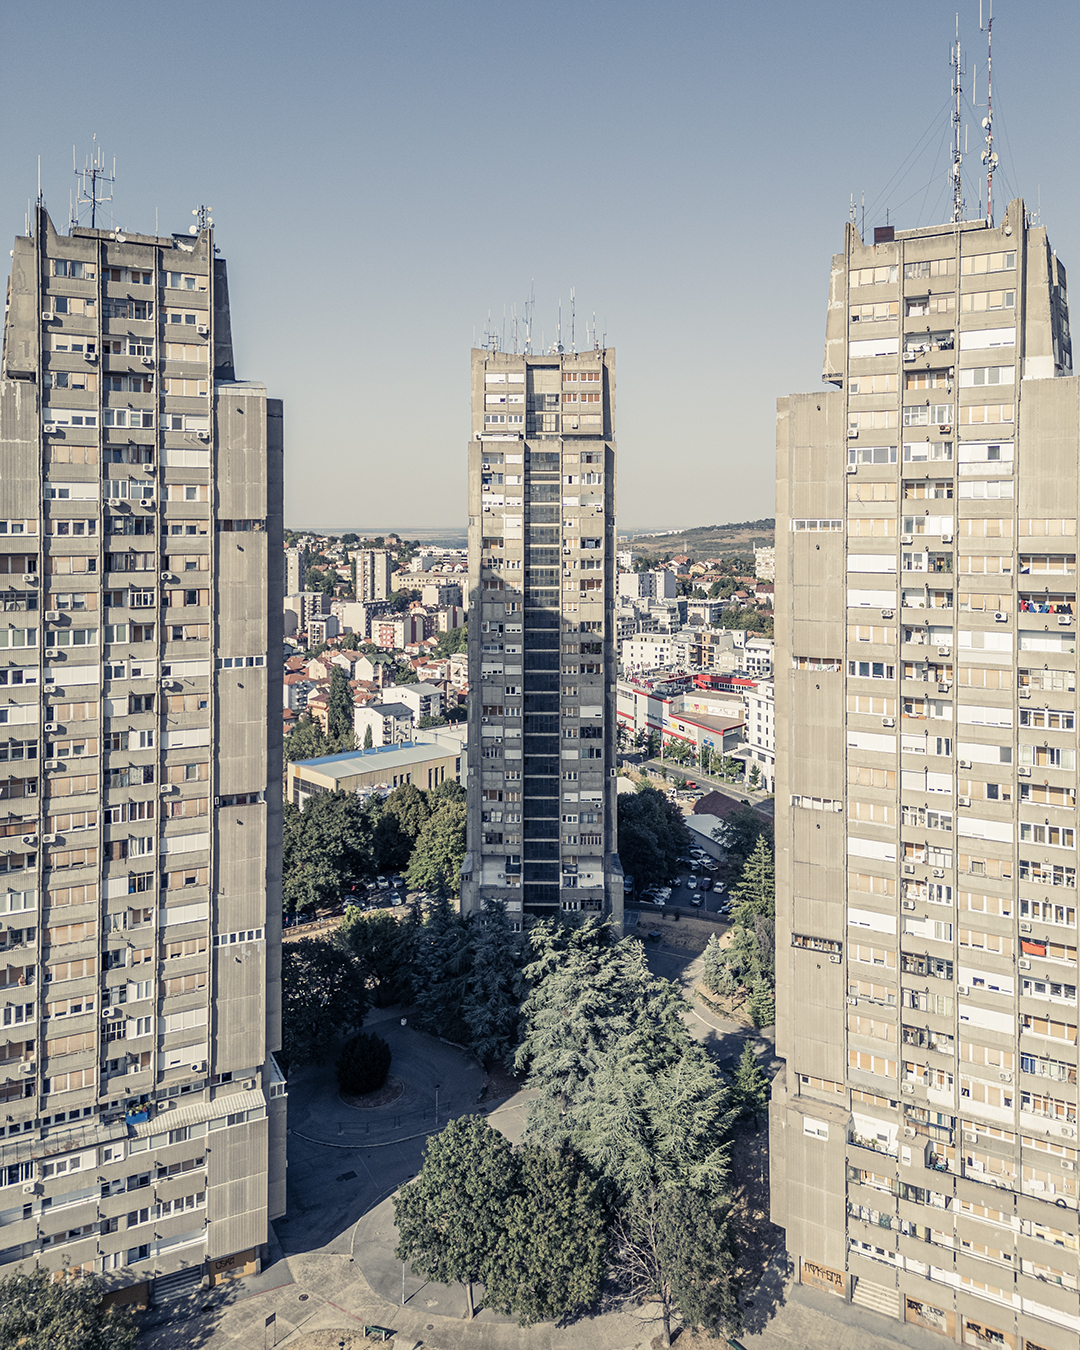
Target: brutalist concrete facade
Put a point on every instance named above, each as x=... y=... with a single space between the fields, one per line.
x=924 y=1131
x=541 y=785
x=143 y=1126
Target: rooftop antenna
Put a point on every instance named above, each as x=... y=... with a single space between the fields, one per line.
x=558 y=331
x=513 y=319
x=596 y=345
x=989 y=155
x=39 y=180
x=862 y=227
x=91 y=178
x=957 y=122
x=573 y=344
x=852 y=213
x=203 y=217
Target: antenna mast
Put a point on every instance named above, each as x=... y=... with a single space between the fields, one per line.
x=989 y=155
x=957 y=120
x=89 y=179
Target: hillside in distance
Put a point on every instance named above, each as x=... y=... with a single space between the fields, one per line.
x=703 y=541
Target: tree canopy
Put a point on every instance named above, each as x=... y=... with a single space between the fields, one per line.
x=439 y=851
x=322 y=995
x=326 y=850
x=652 y=835
x=38 y=1312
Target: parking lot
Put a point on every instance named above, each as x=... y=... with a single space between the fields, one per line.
x=694 y=886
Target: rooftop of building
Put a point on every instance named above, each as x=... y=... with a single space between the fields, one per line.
x=379 y=758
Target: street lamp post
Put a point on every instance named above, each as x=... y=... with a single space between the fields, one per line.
x=437 y=1105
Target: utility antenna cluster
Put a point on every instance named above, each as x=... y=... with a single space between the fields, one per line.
x=957 y=122
x=989 y=155
x=91 y=179
x=202 y=215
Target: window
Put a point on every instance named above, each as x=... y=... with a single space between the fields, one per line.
x=871 y=454
x=926 y=414
x=979 y=302
x=873 y=276
x=939 y=267
x=69 y=379
x=190 y=318
x=181 y=281
x=872 y=670
x=879 y=311
x=116 y=307
x=186 y=388
x=126 y=417
x=70 y=267
x=818 y=525
x=71 y=565
x=977 y=376
x=921 y=452
x=977 y=414
x=71 y=304
x=977 y=263
x=68 y=417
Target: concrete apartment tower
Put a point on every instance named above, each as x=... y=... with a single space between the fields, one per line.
x=372 y=574
x=924 y=1132
x=295 y=569
x=142 y=1126
x=541 y=785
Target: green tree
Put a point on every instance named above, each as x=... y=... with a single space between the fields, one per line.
x=305 y=741
x=339 y=717
x=382 y=950
x=762 y=1004
x=739 y=835
x=442 y=963
x=652 y=835
x=615 y=1072
x=750 y=1087
x=494 y=987
x=428 y=721
x=368 y=740
x=326 y=850
x=38 y=1312
x=453 y=641
x=439 y=851
x=449 y=790
x=551 y=1260
x=450 y=1217
x=754 y=776
x=317 y=579
x=322 y=994
x=363 y=1064
x=676 y=1248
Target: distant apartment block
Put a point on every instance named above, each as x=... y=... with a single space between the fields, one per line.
x=372 y=574
x=541 y=797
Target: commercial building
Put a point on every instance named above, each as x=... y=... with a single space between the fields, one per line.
x=924 y=1134
x=140 y=537
x=542 y=831
x=379 y=768
x=372 y=574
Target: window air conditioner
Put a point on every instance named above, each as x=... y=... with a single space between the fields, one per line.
x=52 y=726
x=963 y=801
x=907 y=539
x=853 y=468
x=52 y=616
x=203 y=330
x=1024 y=965
x=27 y=1068
x=944 y=651
x=47 y=316
x=48 y=838
x=944 y=686
x=29 y=1187
x=52 y=651
x=1024 y=771
x=946 y=538
x=29 y=838
x=853 y=433
x=1000 y=617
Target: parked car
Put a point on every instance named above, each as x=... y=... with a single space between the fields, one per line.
x=706 y=883
x=381 y=883
x=676 y=881
x=695 y=899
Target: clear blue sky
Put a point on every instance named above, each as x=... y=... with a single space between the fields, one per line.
x=384 y=176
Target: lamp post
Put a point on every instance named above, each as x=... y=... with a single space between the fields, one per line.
x=437 y=1106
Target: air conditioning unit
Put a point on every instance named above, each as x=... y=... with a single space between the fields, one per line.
x=1005 y=1077
x=853 y=1001
x=1068 y=1131
x=909 y=356
x=853 y=468
x=166 y=788
x=886 y=613
x=47 y=316
x=907 y=539
x=965 y=763
x=148 y=360
x=834 y=958
x=199 y=1066
x=52 y=616
x=249 y=1084
x=52 y=726
x=1064 y=620
x=909 y=904
x=946 y=538
x=30 y=578
x=203 y=330
x=53 y=651
x=909 y=867
x=888 y=721
x=944 y=686
x=29 y=838
x=961 y=989
x=204 y=435
x=944 y=428
x=1025 y=928
x=27 y=1068
x=909 y=1132
x=1024 y=965
x=939 y=871
x=1024 y=693
x=171 y=684
x=1000 y=617
x=53 y=763
x=944 y=651
x=49 y=838
x=963 y=801
x=90 y=356
x=169 y=576
x=908 y=1088
x=1024 y=771
x=1067 y=1166
x=29 y=1187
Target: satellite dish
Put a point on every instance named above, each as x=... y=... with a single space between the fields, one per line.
x=193 y=229
x=119 y=238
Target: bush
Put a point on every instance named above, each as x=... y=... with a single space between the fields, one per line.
x=363 y=1064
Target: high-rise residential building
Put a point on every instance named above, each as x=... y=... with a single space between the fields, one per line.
x=924 y=1134
x=142 y=1128
x=295 y=569
x=541 y=786
x=372 y=574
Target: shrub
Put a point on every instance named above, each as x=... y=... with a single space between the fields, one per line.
x=363 y=1064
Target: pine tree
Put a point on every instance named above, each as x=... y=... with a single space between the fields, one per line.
x=39 y=1311
x=495 y=987
x=762 y=1005
x=369 y=740
x=340 y=710
x=751 y=1087
x=713 y=965
x=755 y=891
x=439 y=851
x=440 y=970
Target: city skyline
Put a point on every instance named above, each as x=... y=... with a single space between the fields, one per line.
x=718 y=127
